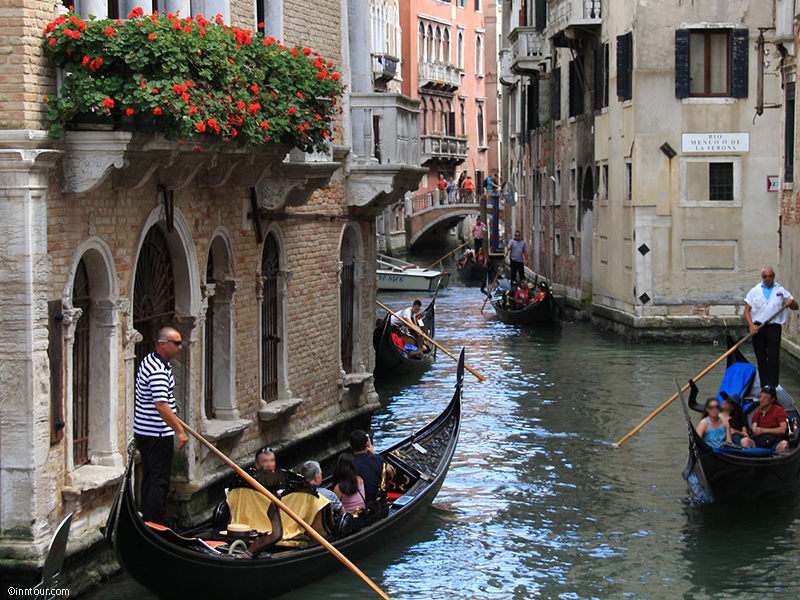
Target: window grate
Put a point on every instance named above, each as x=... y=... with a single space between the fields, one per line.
x=80 y=368
x=208 y=344
x=348 y=293
x=269 y=320
x=720 y=181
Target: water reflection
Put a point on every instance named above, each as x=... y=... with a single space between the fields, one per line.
x=538 y=505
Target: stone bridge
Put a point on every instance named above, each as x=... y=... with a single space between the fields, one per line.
x=427 y=213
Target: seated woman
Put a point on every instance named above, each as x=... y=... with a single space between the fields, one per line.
x=712 y=428
x=732 y=415
x=349 y=486
x=481 y=258
x=522 y=296
x=540 y=292
x=769 y=422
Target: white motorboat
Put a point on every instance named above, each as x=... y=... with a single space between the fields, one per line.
x=394 y=274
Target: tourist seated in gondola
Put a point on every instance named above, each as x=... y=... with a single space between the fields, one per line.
x=349 y=486
x=465 y=256
x=312 y=473
x=481 y=258
x=541 y=292
x=732 y=414
x=371 y=465
x=768 y=422
x=711 y=427
x=405 y=343
x=509 y=297
x=522 y=296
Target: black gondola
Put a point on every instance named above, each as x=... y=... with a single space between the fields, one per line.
x=389 y=361
x=739 y=475
x=536 y=314
x=173 y=566
x=471 y=271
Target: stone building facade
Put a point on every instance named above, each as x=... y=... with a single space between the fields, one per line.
x=643 y=174
x=263 y=259
x=788 y=270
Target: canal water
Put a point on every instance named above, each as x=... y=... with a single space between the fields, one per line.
x=537 y=503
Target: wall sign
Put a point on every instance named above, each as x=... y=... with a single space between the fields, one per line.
x=705 y=143
x=773 y=183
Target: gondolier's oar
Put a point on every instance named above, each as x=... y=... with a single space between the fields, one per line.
x=686 y=387
x=413 y=327
x=433 y=264
x=310 y=530
x=491 y=287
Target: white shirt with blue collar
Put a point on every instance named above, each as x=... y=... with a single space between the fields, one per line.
x=765 y=302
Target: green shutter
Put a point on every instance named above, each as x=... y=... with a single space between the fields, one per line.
x=740 y=47
x=682 y=63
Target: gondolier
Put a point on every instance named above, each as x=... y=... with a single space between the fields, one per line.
x=155 y=424
x=516 y=249
x=763 y=301
x=477 y=232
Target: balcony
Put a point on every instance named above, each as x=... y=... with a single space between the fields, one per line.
x=572 y=19
x=443 y=149
x=439 y=76
x=384 y=67
x=506 y=75
x=386 y=149
x=528 y=50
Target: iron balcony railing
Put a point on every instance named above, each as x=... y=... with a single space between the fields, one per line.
x=384 y=68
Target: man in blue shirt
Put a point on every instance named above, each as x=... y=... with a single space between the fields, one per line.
x=761 y=303
x=516 y=248
x=369 y=464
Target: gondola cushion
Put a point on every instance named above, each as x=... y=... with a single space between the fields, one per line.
x=737 y=379
x=751 y=452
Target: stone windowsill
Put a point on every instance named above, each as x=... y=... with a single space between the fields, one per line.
x=91 y=477
x=355 y=379
x=217 y=429
x=274 y=410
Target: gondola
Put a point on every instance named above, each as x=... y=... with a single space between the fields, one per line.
x=536 y=314
x=472 y=272
x=390 y=363
x=731 y=475
x=174 y=566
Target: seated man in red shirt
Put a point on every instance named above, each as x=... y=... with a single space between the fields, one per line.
x=769 y=422
x=522 y=296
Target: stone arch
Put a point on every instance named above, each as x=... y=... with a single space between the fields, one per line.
x=187 y=308
x=91 y=374
x=219 y=330
x=351 y=268
x=445 y=216
x=273 y=317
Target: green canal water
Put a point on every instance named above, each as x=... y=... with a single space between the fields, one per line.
x=537 y=504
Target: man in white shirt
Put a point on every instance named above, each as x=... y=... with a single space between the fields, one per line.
x=761 y=303
x=410 y=314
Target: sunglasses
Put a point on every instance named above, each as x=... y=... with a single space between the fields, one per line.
x=713 y=407
x=768 y=277
x=178 y=343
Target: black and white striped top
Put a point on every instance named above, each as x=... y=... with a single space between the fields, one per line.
x=154 y=383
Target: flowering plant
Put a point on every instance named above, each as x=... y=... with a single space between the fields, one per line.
x=195 y=76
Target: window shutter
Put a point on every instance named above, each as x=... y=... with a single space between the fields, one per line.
x=555 y=95
x=541 y=14
x=599 y=54
x=533 y=104
x=451 y=123
x=682 y=63
x=523 y=110
x=740 y=42
x=624 y=66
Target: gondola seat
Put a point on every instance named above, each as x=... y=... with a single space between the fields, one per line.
x=737 y=379
x=250 y=506
x=749 y=452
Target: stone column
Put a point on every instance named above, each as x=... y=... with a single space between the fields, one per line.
x=27 y=485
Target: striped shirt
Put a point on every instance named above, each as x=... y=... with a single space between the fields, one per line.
x=154 y=383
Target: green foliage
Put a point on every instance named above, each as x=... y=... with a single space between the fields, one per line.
x=193 y=77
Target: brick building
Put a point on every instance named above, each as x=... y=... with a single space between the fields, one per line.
x=261 y=259
x=630 y=136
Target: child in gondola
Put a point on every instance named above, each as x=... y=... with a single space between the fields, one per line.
x=522 y=296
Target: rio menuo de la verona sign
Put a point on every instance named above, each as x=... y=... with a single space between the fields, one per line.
x=704 y=143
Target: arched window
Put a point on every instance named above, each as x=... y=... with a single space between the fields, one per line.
x=398 y=33
x=446 y=44
x=434 y=117
x=443 y=119
x=463 y=116
x=423 y=43
x=219 y=330
x=437 y=45
x=81 y=367
x=153 y=292
x=481 y=136
x=349 y=305
x=424 y=117
x=450 y=128
x=478 y=55
x=460 y=50
x=270 y=319
x=431 y=46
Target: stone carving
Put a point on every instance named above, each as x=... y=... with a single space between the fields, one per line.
x=90 y=158
x=292 y=183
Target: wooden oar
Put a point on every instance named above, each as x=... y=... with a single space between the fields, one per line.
x=310 y=530
x=496 y=275
x=686 y=387
x=413 y=327
x=433 y=264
